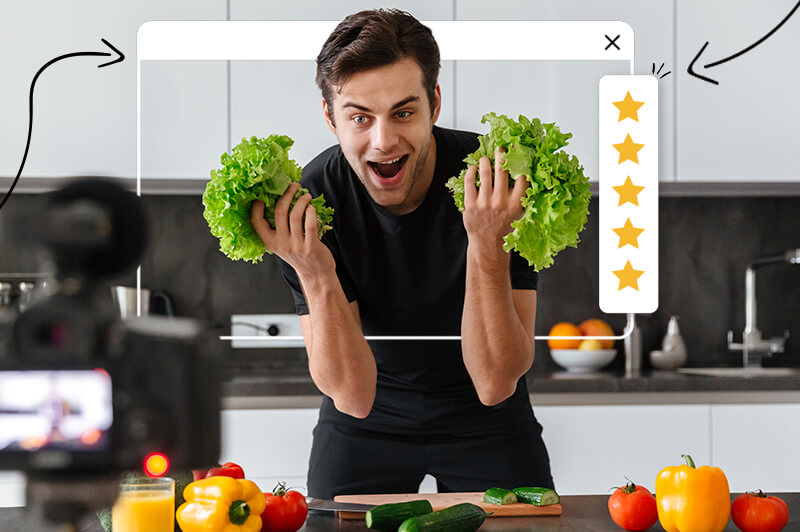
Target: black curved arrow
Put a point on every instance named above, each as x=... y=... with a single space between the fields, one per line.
x=120 y=57
x=737 y=54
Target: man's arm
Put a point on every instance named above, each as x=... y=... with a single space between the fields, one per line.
x=339 y=358
x=496 y=333
x=497 y=324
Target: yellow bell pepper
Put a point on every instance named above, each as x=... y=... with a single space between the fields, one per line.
x=692 y=499
x=221 y=504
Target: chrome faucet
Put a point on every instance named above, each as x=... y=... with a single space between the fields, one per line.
x=754 y=348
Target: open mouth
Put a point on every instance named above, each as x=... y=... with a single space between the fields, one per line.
x=389 y=169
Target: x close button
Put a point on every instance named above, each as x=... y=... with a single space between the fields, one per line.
x=612 y=42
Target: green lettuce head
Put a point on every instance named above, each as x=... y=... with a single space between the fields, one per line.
x=556 y=202
x=260 y=169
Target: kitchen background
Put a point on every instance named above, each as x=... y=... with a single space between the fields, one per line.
x=728 y=178
x=729 y=183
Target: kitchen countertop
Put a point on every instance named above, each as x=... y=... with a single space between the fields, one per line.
x=581 y=512
x=294 y=387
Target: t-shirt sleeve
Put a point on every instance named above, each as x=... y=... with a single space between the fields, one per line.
x=523 y=277
x=300 y=304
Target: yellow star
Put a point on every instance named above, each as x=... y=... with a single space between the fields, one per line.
x=628 y=192
x=628 y=150
x=628 y=276
x=628 y=108
x=628 y=234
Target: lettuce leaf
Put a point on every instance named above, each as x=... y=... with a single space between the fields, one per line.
x=258 y=168
x=556 y=203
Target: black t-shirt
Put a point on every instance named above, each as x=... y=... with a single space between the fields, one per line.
x=408 y=275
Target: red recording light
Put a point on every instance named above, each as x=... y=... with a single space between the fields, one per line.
x=156 y=465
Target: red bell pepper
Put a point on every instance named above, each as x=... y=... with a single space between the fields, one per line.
x=228 y=469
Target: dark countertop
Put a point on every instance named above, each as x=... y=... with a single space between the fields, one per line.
x=265 y=381
x=584 y=512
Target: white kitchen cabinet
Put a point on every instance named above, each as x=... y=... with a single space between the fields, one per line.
x=282 y=97
x=757 y=446
x=565 y=92
x=84 y=118
x=184 y=118
x=745 y=128
x=12 y=489
x=271 y=445
x=593 y=448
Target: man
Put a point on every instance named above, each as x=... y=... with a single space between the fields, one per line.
x=402 y=261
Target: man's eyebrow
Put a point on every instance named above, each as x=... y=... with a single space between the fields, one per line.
x=405 y=101
x=399 y=104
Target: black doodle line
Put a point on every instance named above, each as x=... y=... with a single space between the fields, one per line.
x=691 y=71
x=120 y=57
x=659 y=71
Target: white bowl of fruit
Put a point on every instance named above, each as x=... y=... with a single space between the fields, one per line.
x=582 y=355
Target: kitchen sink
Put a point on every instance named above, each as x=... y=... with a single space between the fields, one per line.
x=742 y=372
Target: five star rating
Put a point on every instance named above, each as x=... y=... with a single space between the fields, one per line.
x=628 y=194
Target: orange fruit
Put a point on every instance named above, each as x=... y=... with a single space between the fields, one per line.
x=564 y=328
x=597 y=327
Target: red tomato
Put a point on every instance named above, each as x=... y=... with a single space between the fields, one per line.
x=228 y=469
x=758 y=512
x=633 y=507
x=286 y=510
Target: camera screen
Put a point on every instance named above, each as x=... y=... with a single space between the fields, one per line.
x=68 y=410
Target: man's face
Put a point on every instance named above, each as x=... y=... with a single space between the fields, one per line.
x=383 y=124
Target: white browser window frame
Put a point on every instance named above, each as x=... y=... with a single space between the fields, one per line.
x=272 y=40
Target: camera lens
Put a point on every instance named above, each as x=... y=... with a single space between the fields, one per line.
x=59 y=329
x=55 y=335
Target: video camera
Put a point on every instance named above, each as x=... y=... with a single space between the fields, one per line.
x=85 y=395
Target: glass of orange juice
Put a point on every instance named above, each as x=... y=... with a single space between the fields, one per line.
x=144 y=505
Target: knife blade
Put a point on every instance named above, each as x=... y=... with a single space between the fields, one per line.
x=327 y=505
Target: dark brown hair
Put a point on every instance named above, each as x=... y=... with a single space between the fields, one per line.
x=372 y=39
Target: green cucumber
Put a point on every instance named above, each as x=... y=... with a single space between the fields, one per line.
x=390 y=516
x=537 y=496
x=499 y=496
x=464 y=517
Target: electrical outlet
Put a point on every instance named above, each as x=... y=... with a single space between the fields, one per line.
x=266 y=330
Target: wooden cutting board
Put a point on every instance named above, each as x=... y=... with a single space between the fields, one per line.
x=443 y=500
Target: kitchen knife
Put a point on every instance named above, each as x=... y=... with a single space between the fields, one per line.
x=326 y=505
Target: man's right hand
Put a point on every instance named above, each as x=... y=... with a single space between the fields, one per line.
x=294 y=239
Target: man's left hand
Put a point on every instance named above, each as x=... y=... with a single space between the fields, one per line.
x=490 y=208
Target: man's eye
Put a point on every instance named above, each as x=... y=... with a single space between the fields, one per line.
x=403 y=114
x=360 y=119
